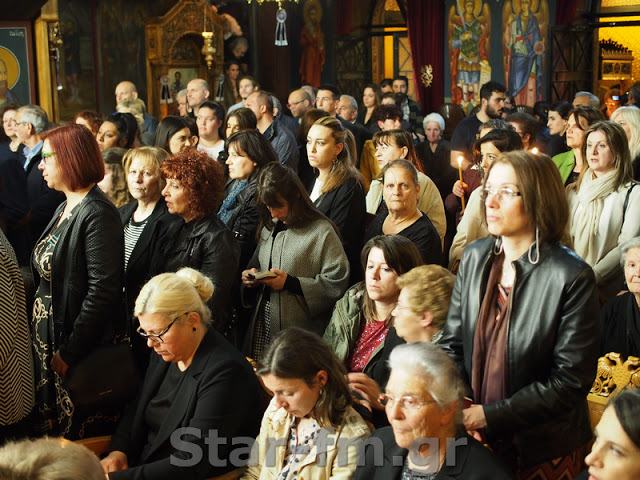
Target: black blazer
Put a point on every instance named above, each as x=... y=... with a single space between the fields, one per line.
x=14 y=204
x=42 y=199
x=471 y=461
x=138 y=268
x=87 y=277
x=345 y=206
x=220 y=392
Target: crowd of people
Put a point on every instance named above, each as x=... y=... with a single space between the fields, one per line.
x=406 y=298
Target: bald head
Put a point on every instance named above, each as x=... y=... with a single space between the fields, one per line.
x=197 y=93
x=261 y=104
x=299 y=102
x=126 y=91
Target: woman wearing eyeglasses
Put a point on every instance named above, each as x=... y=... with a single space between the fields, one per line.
x=195 y=379
x=79 y=269
x=521 y=323
x=423 y=402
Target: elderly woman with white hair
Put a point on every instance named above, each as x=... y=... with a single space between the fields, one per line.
x=50 y=458
x=434 y=154
x=629 y=119
x=620 y=327
x=423 y=402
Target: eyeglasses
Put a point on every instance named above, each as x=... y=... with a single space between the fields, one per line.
x=46 y=155
x=406 y=403
x=22 y=123
x=157 y=337
x=293 y=104
x=500 y=193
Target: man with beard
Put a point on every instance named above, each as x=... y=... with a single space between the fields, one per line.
x=492 y=105
x=6 y=95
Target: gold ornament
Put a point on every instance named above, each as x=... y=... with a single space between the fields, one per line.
x=426 y=75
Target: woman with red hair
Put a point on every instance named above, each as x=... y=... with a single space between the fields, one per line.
x=194 y=192
x=78 y=262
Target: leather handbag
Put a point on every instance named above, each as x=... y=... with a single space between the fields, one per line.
x=108 y=376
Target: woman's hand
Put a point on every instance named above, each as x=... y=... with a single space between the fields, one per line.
x=58 y=365
x=367 y=388
x=275 y=283
x=114 y=461
x=474 y=419
x=248 y=280
x=459 y=188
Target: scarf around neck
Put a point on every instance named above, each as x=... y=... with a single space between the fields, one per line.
x=584 y=222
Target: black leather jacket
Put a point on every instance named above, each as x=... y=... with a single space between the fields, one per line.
x=87 y=277
x=206 y=245
x=551 y=352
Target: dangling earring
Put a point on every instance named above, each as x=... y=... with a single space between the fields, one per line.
x=497 y=247
x=537 y=248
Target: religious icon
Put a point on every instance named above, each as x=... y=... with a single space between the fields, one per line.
x=8 y=77
x=312 y=42
x=525 y=24
x=469 y=32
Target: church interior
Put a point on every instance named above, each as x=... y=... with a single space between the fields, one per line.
x=68 y=55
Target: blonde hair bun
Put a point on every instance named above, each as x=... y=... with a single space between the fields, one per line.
x=202 y=284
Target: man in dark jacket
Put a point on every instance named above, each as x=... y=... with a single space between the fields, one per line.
x=31 y=121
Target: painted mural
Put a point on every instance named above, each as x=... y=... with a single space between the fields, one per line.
x=469 y=35
x=525 y=23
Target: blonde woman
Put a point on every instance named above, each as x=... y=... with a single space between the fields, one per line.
x=629 y=119
x=195 y=379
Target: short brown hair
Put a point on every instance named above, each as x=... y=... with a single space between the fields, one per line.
x=200 y=176
x=429 y=288
x=77 y=154
x=542 y=190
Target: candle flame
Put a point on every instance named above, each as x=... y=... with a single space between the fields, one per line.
x=460 y=158
x=534 y=150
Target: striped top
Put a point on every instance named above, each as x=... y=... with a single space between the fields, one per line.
x=132 y=232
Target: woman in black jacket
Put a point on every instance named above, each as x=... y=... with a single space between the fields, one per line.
x=194 y=192
x=145 y=220
x=338 y=191
x=522 y=323
x=248 y=151
x=78 y=260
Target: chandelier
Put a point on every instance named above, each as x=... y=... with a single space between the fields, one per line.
x=208 y=50
x=281 y=18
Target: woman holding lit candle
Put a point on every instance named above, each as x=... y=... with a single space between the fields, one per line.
x=530 y=363
x=472 y=225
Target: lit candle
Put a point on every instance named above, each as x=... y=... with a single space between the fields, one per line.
x=460 y=158
x=534 y=150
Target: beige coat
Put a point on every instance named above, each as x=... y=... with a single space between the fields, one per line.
x=321 y=463
x=471 y=227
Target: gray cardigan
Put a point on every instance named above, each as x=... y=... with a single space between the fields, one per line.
x=314 y=255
